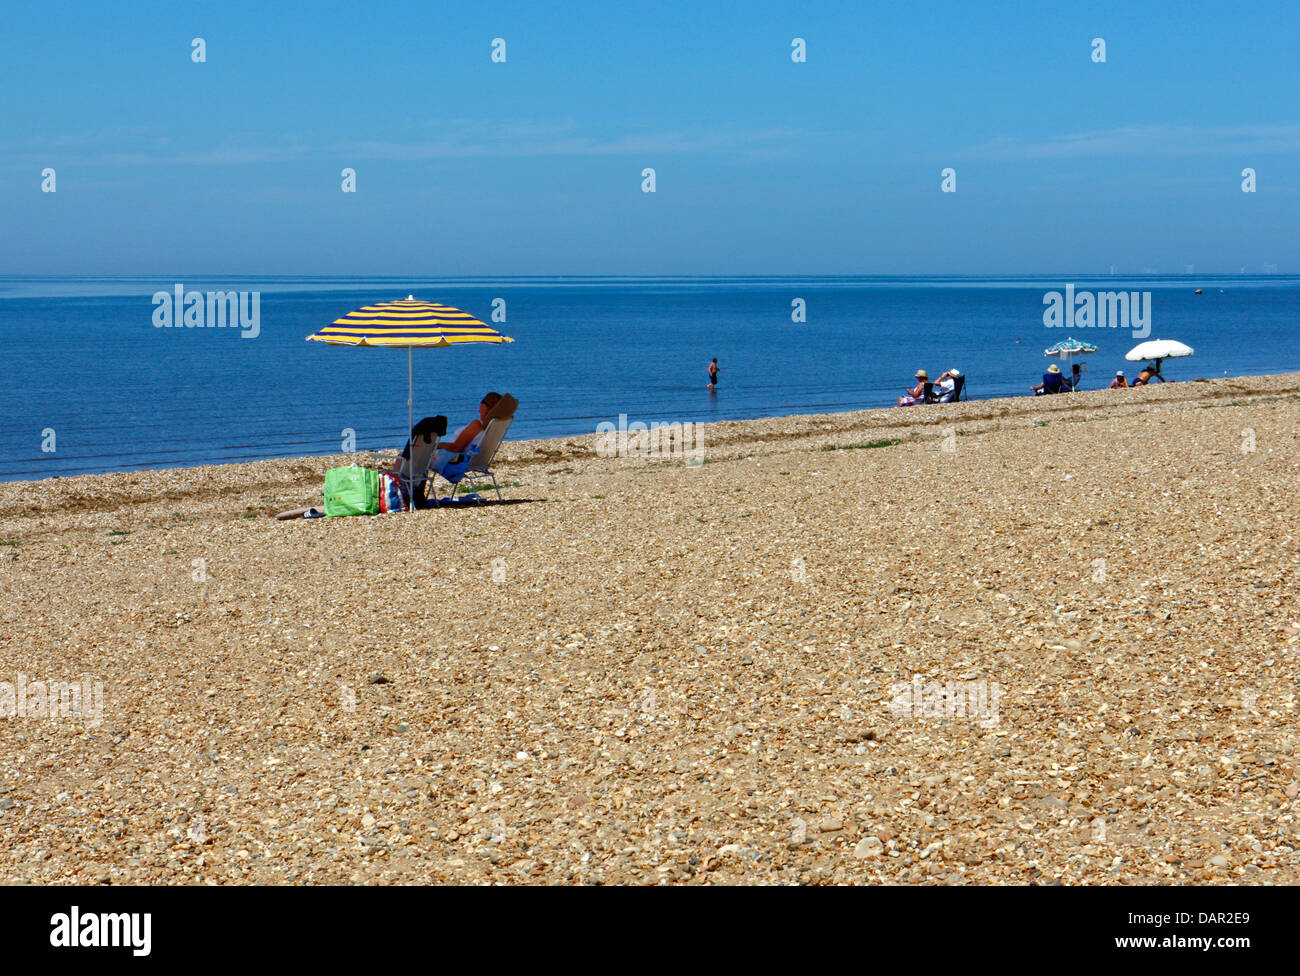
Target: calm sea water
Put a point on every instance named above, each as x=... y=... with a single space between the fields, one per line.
x=82 y=358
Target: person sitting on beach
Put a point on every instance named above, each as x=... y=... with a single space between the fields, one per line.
x=917 y=393
x=1150 y=372
x=1053 y=381
x=1119 y=383
x=467 y=435
x=1072 y=383
x=946 y=386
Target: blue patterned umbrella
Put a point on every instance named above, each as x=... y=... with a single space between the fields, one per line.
x=1069 y=347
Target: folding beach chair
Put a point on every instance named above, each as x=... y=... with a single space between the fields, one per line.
x=478 y=457
x=927 y=395
x=933 y=396
x=414 y=470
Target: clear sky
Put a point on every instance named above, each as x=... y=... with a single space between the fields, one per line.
x=763 y=165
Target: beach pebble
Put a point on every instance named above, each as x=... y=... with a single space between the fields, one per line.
x=868 y=847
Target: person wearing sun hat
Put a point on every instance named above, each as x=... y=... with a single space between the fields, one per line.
x=917 y=393
x=945 y=387
x=1053 y=381
x=1119 y=383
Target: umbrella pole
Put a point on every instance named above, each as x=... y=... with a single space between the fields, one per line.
x=410 y=403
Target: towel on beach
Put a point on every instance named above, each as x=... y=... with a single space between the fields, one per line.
x=392 y=494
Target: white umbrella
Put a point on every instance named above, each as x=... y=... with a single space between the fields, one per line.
x=1157 y=349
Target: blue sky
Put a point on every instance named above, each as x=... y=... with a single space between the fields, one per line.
x=764 y=166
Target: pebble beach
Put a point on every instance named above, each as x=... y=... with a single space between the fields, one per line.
x=1015 y=641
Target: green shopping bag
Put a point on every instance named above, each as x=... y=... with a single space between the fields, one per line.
x=351 y=491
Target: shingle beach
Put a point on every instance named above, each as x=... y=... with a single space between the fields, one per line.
x=1019 y=641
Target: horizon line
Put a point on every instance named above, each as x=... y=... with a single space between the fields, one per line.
x=657 y=277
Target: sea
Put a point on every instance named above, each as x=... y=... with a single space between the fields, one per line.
x=92 y=384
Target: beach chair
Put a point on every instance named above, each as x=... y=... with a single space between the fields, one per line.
x=957 y=383
x=928 y=395
x=421 y=456
x=478 y=457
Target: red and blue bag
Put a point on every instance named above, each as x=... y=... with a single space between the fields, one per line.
x=392 y=494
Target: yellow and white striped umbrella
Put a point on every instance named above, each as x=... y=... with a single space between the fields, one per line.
x=407 y=323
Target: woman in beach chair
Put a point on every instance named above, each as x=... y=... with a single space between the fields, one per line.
x=462 y=453
x=466 y=436
x=917 y=393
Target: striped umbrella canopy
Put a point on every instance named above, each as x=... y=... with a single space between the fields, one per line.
x=406 y=324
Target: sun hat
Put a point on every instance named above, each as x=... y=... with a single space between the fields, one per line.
x=1053 y=368
x=954 y=372
x=1119 y=372
x=922 y=374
